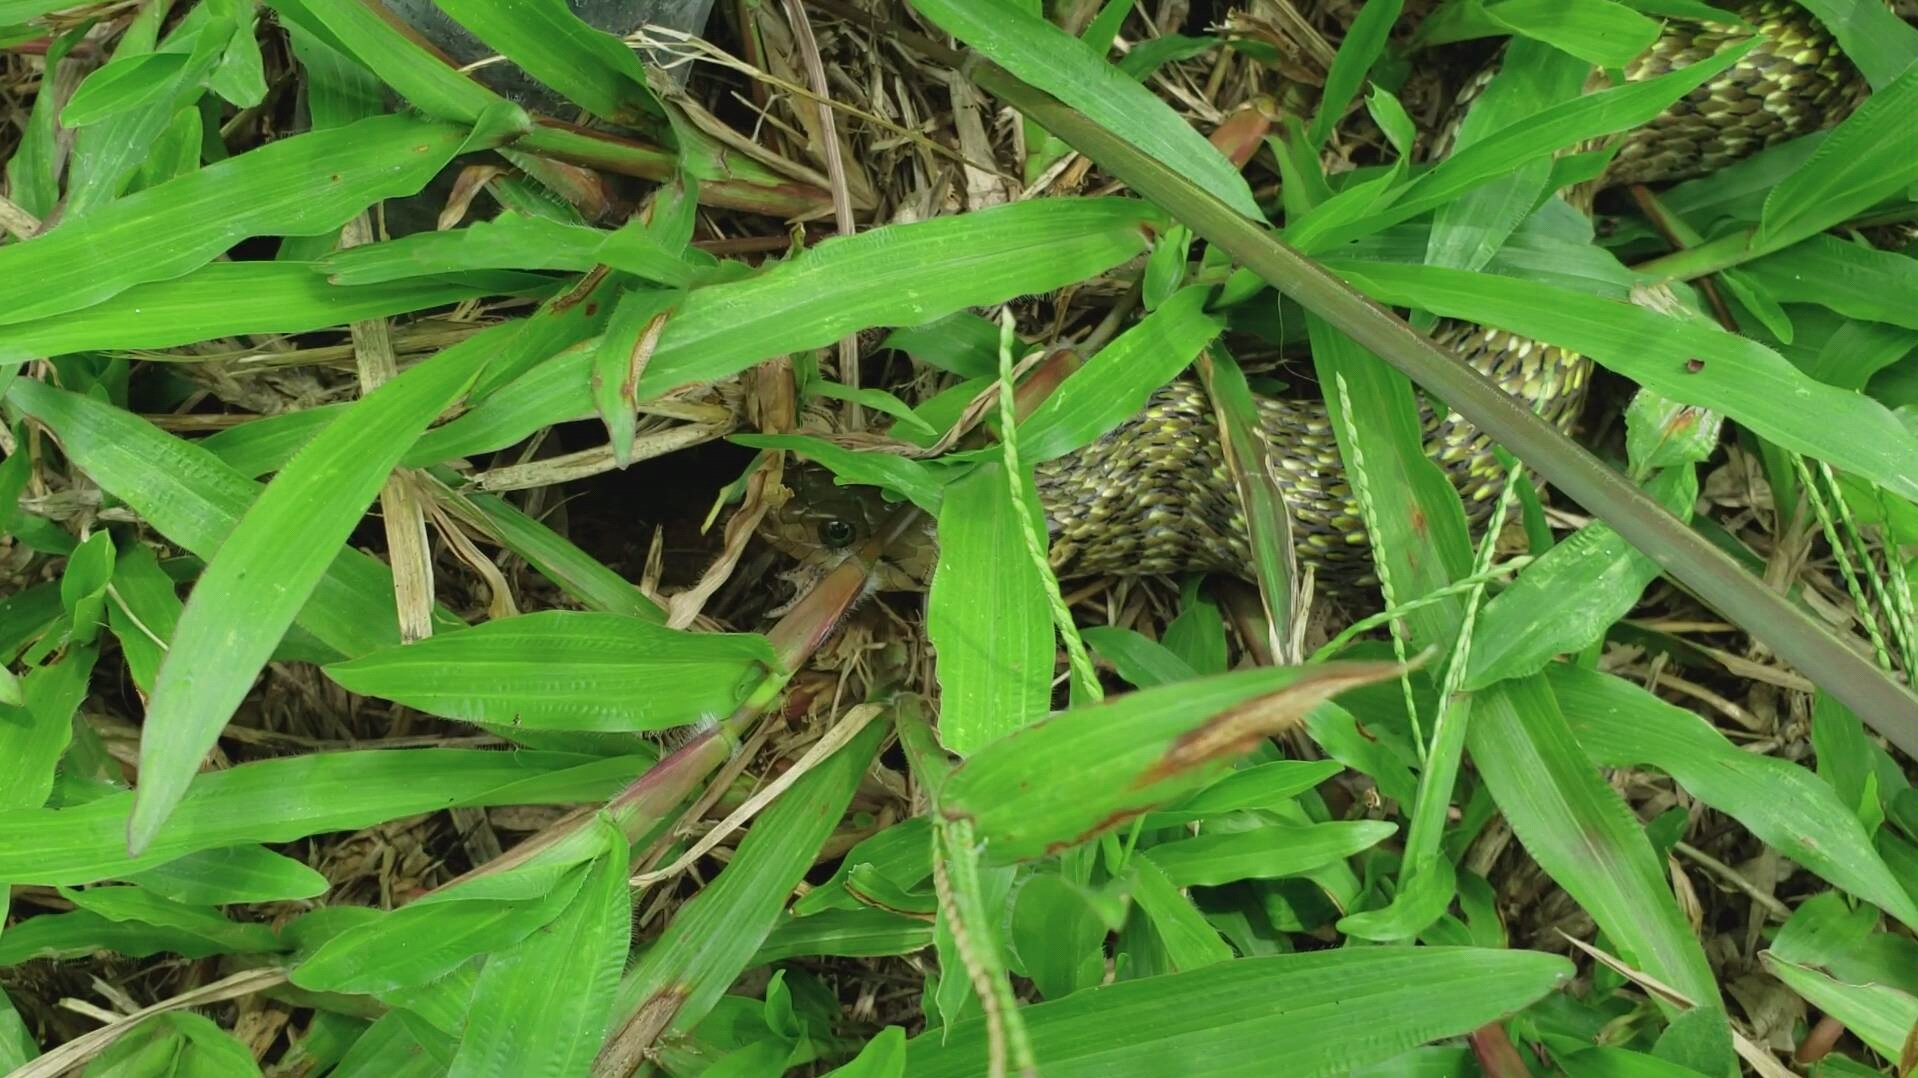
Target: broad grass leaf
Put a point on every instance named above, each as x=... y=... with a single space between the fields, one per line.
x=1688 y=361
x=1850 y=278
x=123 y=83
x=986 y=615
x=427 y=939
x=514 y=241
x=1189 y=940
x=290 y=798
x=303 y=185
x=233 y=874
x=109 y=153
x=1582 y=833
x=268 y=567
x=1869 y=157
x=1880 y=1015
x=899 y=275
x=1789 y=808
x=1115 y=384
x=1468 y=231
x=1081 y=772
x=1228 y=1015
x=400 y=60
x=565 y=670
x=860 y=932
x=232 y=299
x=1599 y=32
x=1569 y=597
x=35 y=734
x=192 y=498
x=1273 y=851
x=589 y=67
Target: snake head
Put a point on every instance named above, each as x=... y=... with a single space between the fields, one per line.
x=823 y=523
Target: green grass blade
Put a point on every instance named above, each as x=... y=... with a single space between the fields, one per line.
x=188 y=495
x=1273 y=851
x=1869 y=157
x=293 y=797
x=897 y=276
x=265 y=571
x=1788 y=807
x=1017 y=39
x=1034 y=792
x=566 y=670
x=1871 y=34
x=987 y=618
x=1565 y=601
x=1114 y=384
x=1850 y=278
x=304 y=185
x=713 y=936
x=587 y=66
x=1233 y=1014
x=517 y=1024
x=1689 y=361
x=230 y=299
x=1582 y=833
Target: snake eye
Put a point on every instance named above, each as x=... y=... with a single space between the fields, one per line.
x=837 y=533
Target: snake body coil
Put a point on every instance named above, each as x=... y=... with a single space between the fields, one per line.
x=1154 y=496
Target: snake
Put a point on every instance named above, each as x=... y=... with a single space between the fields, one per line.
x=1155 y=495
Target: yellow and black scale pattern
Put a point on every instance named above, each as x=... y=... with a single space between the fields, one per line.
x=1153 y=496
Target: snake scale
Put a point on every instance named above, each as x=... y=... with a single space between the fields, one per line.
x=1153 y=495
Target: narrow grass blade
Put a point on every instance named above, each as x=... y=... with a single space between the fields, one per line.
x=517 y=1024
x=187 y=495
x=712 y=938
